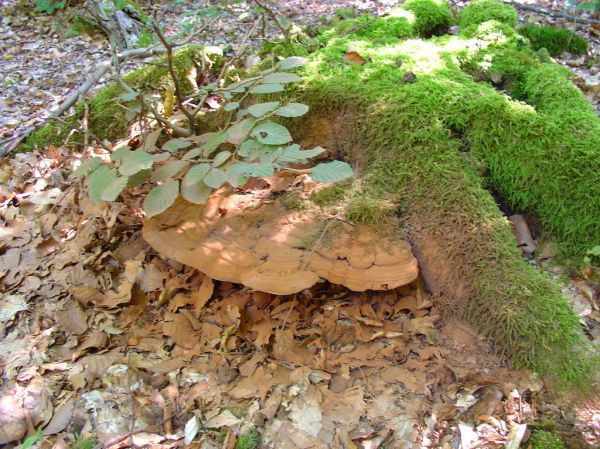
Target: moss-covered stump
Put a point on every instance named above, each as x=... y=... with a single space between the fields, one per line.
x=482 y=103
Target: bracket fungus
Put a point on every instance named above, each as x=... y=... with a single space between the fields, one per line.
x=254 y=240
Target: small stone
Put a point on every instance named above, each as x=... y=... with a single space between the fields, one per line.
x=399 y=63
x=454 y=30
x=409 y=78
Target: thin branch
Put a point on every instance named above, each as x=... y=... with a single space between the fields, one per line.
x=273 y=17
x=549 y=12
x=174 y=77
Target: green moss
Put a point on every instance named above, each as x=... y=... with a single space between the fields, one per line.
x=55 y=134
x=294 y=201
x=249 y=440
x=480 y=11
x=432 y=17
x=385 y=29
x=107 y=113
x=555 y=40
x=329 y=196
x=539 y=149
x=542 y=439
x=364 y=209
x=86 y=443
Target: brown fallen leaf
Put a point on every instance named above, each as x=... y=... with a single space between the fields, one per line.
x=353 y=57
x=61 y=418
x=72 y=320
x=178 y=327
x=203 y=294
x=96 y=339
x=95 y=365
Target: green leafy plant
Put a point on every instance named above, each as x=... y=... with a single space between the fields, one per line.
x=48 y=6
x=30 y=441
x=542 y=439
x=252 y=144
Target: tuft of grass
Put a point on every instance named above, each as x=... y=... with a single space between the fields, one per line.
x=293 y=201
x=249 y=440
x=86 y=443
x=329 y=196
x=362 y=209
x=555 y=40
x=480 y=11
x=542 y=439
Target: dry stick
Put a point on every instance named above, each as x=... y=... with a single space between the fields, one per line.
x=234 y=58
x=548 y=12
x=174 y=77
x=273 y=16
x=7 y=145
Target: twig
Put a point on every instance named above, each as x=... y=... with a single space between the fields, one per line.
x=549 y=12
x=174 y=77
x=9 y=144
x=273 y=17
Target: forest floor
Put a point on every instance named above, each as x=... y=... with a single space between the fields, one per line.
x=155 y=354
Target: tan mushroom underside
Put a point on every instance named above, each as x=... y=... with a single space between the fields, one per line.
x=262 y=245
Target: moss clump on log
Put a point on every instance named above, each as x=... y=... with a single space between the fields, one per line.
x=424 y=144
x=481 y=11
x=555 y=40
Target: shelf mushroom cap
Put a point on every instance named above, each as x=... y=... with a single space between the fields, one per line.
x=258 y=242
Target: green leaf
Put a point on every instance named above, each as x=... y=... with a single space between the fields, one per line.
x=195 y=174
x=294 y=154
x=118 y=155
x=135 y=161
x=168 y=170
x=86 y=167
x=128 y=96
x=175 y=145
x=220 y=158
x=260 y=109
x=139 y=178
x=271 y=133
x=292 y=110
x=292 y=62
x=98 y=180
x=215 y=178
x=231 y=106
x=266 y=89
x=281 y=78
x=239 y=173
x=151 y=139
x=114 y=189
x=249 y=148
x=196 y=193
x=195 y=152
x=331 y=172
x=214 y=142
x=30 y=441
x=239 y=131
x=160 y=157
x=160 y=198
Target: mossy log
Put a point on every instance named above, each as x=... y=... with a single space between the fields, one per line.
x=485 y=112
